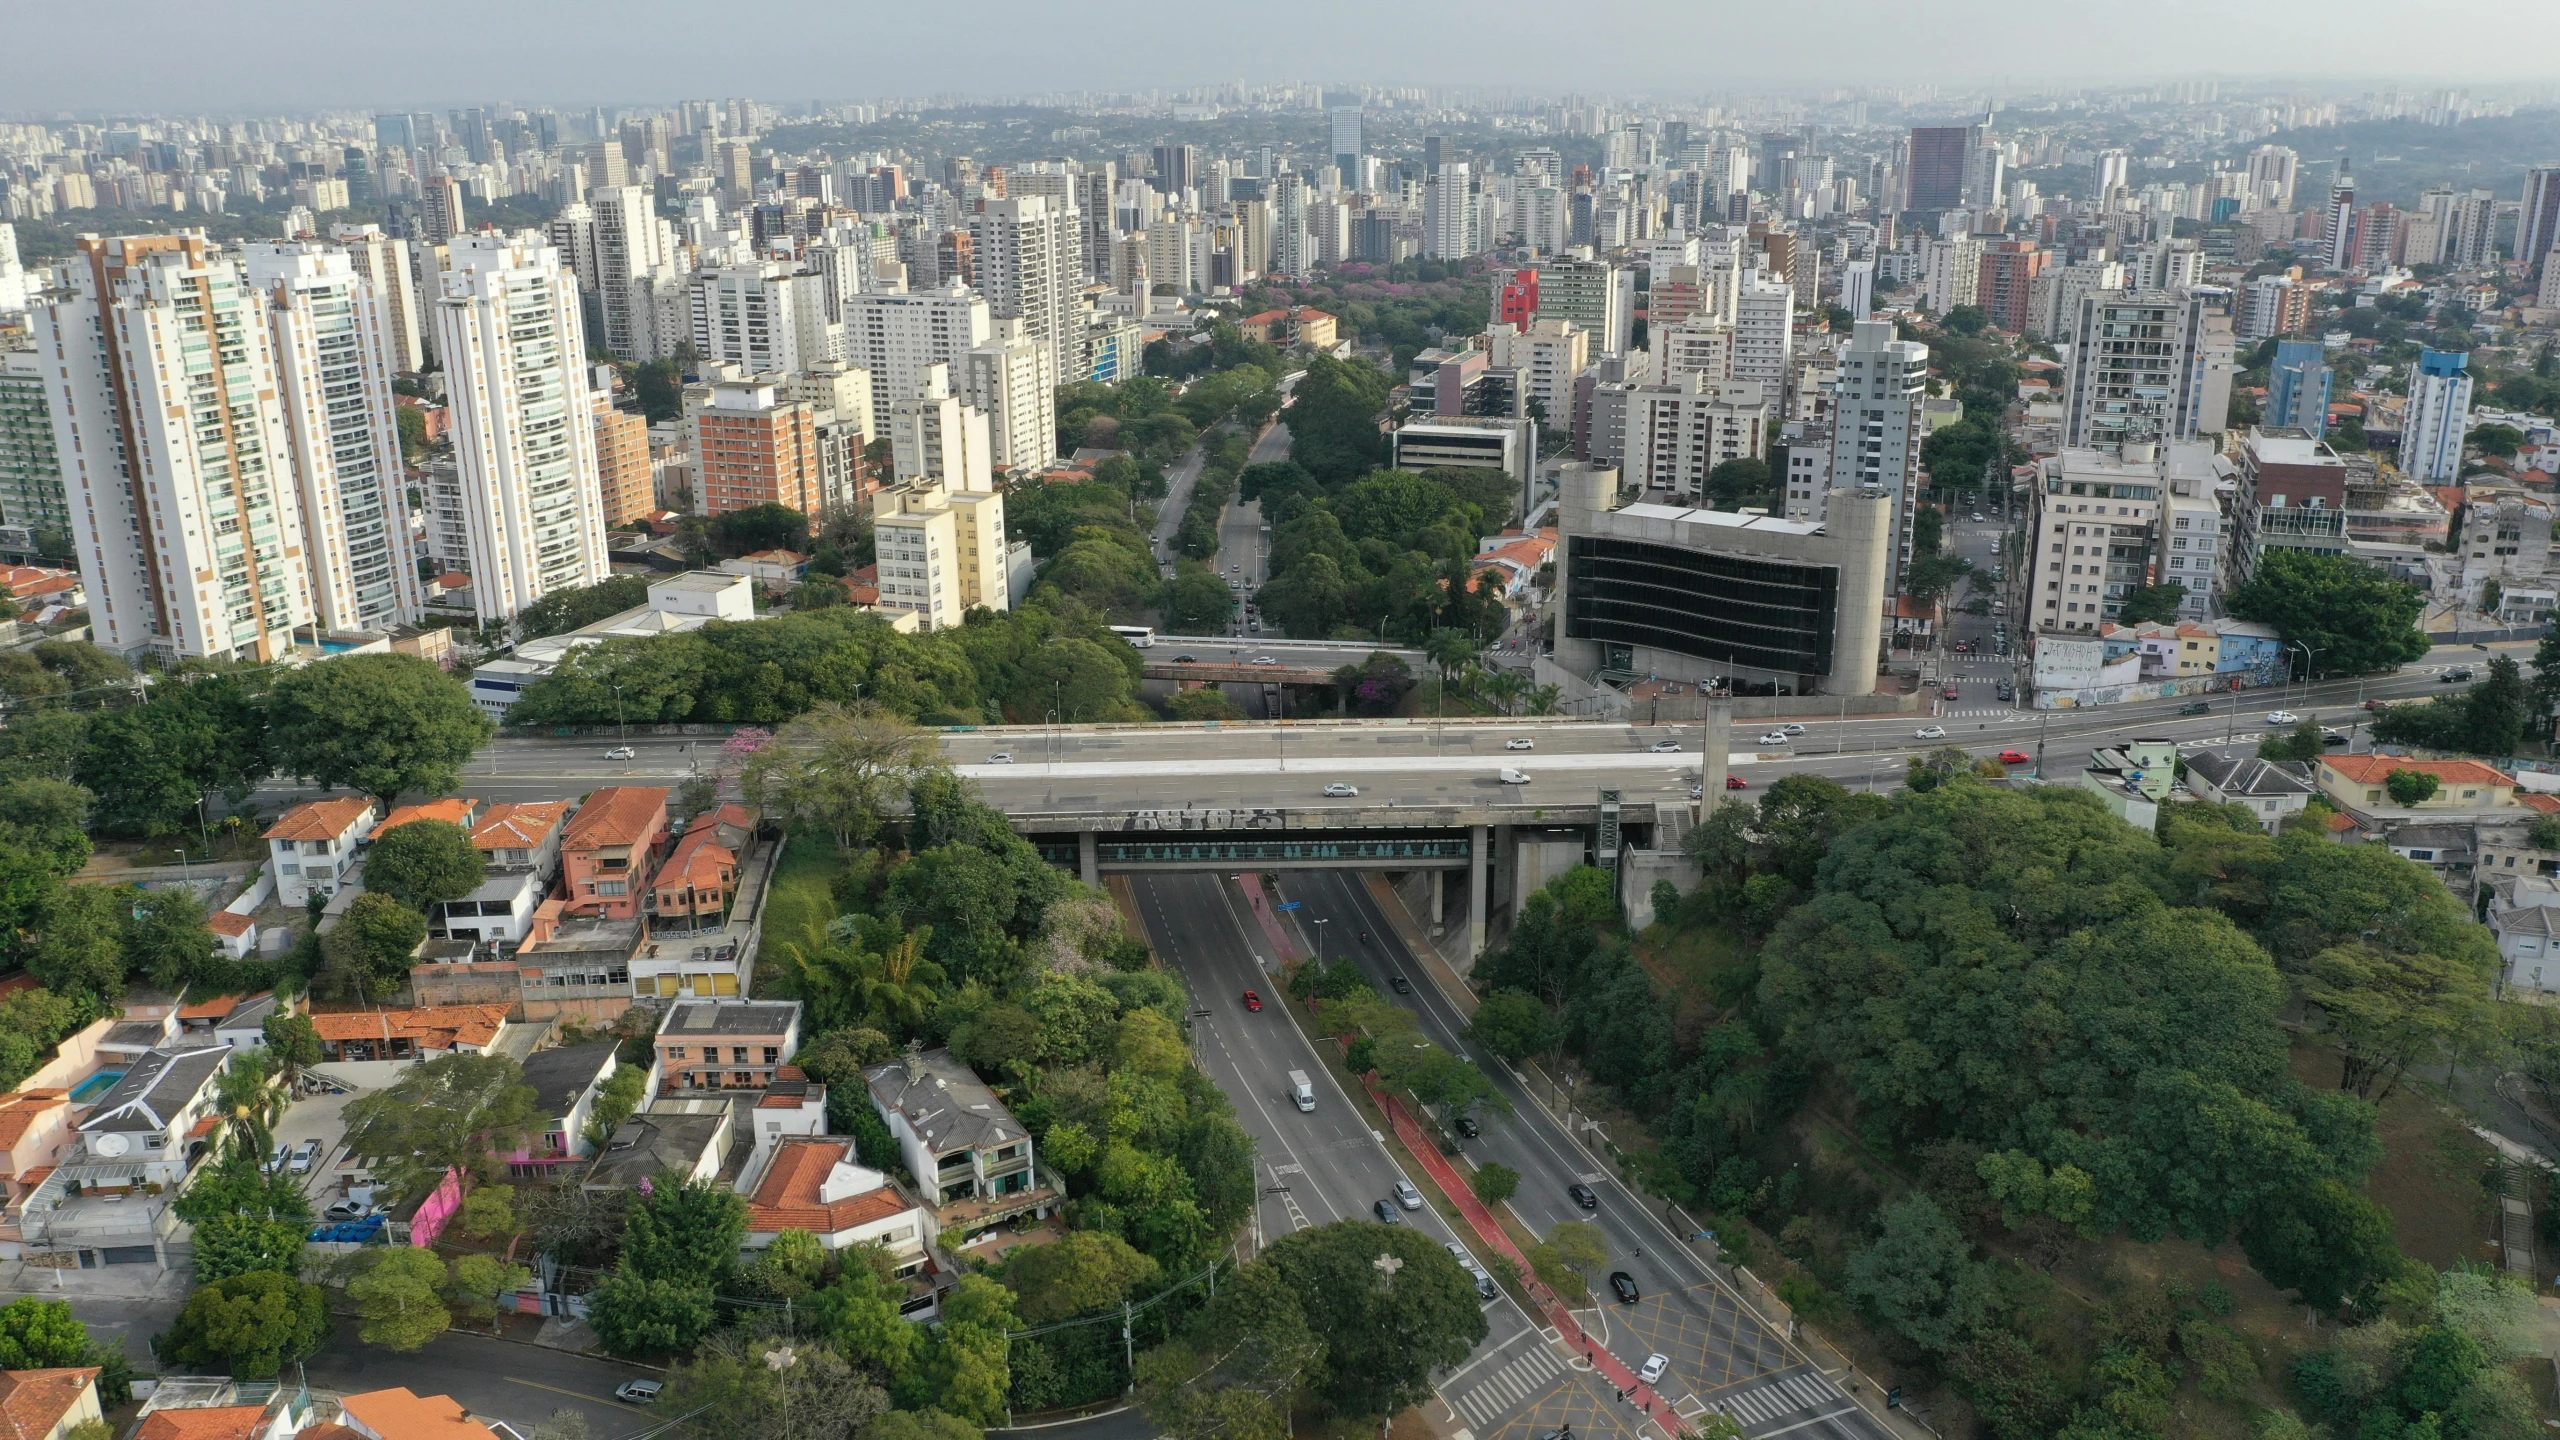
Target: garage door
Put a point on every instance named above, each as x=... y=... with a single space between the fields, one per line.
x=128 y=1255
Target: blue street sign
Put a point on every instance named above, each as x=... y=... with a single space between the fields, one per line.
x=1287 y=905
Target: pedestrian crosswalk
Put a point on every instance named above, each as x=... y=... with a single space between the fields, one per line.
x=2002 y=713
x=1510 y=1386
x=1776 y=1399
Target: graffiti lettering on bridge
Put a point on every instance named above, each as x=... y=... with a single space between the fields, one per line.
x=1254 y=818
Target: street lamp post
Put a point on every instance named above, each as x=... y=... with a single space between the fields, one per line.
x=2307 y=652
x=1320 y=924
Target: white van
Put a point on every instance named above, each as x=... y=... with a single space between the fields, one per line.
x=1514 y=777
x=1302 y=1091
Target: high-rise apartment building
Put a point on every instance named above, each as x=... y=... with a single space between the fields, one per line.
x=762 y=317
x=756 y=443
x=1679 y=431
x=332 y=346
x=2470 y=238
x=2007 y=288
x=1545 y=356
x=2147 y=364
x=1292 y=243
x=898 y=337
x=625 y=485
x=2276 y=305
x=2094 y=532
x=440 y=216
x=1950 y=273
x=2068 y=286
x=175 y=459
x=1875 y=434
x=31 y=495
x=1449 y=213
x=2538 y=225
x=1031 y=268
x=2439 y=417
x=936 y=434
x=941 y=549
x=2272 y=169
x=2298 y=387
x=1596 y=295
x=1011 y=380
x=382 y=261
x=1764 y=335
x=2337 y=221
x=629 y=247
x=525 y=514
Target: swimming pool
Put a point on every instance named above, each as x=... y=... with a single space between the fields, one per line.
x=95 y=1086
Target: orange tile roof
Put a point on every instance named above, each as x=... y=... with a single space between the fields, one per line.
x=396 y=1414
x=452 y=810
x=229 y=922
x=436 y=1027
x=216 y=1422
x=34 y=1402
x=19 y=1113
x=788 y=1197
x=320 y=819
x=700 y=860
x=2536 y=800
x=328 y=1430
x=519 y=827
x=616 y=815
x=220 y=1005
x=2374 y=769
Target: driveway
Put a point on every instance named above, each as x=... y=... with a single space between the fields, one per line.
x=322 y=1118
x=494 y=1379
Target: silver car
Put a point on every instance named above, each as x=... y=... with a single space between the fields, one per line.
x=1407 y=1196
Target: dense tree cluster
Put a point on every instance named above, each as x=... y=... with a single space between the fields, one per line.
x=1387 y=555
x=2352 y=617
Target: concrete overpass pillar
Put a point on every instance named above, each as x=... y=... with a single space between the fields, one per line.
x=1477 y=859
x=1716 y=754
x=1439 y=899
x=1089 y=857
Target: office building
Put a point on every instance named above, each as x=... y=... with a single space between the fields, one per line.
x=756 y=443
x=1718 y=596
x=629 y=246
x=1010 y=379
x=1176 y=168
x=1468 y=442
x=937 y=435
x=2538 y=224
x=524 y=515
x=625 y=485
x=1347 y=145
x=1031 y=268
x=896 y=338
x=382 y=261
x=175 y=461
x=1875 y=426
x=1934 y=179
x=332 y=344
x=1676 y=433
x=31 y=494
x=2439 y=417
x=2149 y=364
x=2298 y=387
x=941 y=550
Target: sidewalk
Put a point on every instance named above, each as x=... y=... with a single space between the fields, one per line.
x=1282 y=942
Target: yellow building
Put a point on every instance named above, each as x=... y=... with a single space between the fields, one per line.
x=941 y=550
x=2199 y=650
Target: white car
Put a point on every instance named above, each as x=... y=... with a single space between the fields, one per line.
x=1522 y=742
x=2283 y=717
x=1338 y=790
x=1792 y=728
x=1775 y=737
x=1666 y=747
x=1407 y=1196
x=305 y=1155
x=1264 y=660
x=346 y=1210
x=1001 y=757
x=640 y=1392
x=621 y=752
x=1514 y=777
x=1654 y=1365
x=1930 y=732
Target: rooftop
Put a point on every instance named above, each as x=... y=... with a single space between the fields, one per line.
x=452 y=810
x=560 y=1076
x=210 y=1422
x=435 y=1027
x=616 y=815
x=730 y=1017
x=519 y=827
x=1725 y=519
x=157 y=1087
x=2248 y=775
x=649 y=1143
x=944 y=1101
x=813 y=1184
x=320 y=819
x=34 y=1402
x=2375 y=769
x=396 y=1414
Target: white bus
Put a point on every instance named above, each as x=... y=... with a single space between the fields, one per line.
x=1142 y=636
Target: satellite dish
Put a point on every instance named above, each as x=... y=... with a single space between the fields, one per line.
x=110 y=1144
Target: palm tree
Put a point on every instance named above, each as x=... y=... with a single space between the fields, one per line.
x=1448 y=649
x=246 y=1099
x=1504 y=688
x=1544 y=699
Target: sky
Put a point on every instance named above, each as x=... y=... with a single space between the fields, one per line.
x=269 y=56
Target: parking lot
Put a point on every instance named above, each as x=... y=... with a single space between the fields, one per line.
x=322 y=1118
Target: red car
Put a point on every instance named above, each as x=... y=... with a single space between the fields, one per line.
x=1951 y=692
x=1252 y=1001
x=2014 y=757
x=1736 y=782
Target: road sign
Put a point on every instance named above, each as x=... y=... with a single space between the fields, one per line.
x=1288 y=905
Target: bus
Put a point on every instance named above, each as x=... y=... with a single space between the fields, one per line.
x=1141 y=636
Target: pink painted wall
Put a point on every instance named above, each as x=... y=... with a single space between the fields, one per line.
x=436 y=1211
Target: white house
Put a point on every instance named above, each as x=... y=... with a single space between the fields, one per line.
x=2524 y=915
x=2273 y=790
x=815 y=1185
x=519 y=848
x=952 y=1127
x=162 y=1108
x=314 y=845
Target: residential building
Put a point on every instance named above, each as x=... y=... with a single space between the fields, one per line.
x=2360 y=785
x=1950 y=273
x=1764 y=335
x=2063 y=289
x=1695 y=595
x=2133 y=779
x=1875 y=434
x=49 y=1404
x=313 y=845
x=766 y=317
x=630 y=245
x=625 y=481
x=428 y=1032
x=2524 y=917
x=333 y=348
x=941 y=549
x=2298 y=387
x=2194 y=530
x=896 y=338
x=1934 y=178
x=2006 y=290
x=148 y=1125
x=1450 y=223
x=1690 y=347
x=524 y=514
x=815 y=1184
x=2150 y=364
x=1012 y=380
x=31 y=494
x=611 y=849
x=2291 y=494
x=934 y=434
x=1546 y=355
x=1031 y=268
x=1677 y=433
x=383 y=262
x=1597 y=296
x=566 y=1081
x=2275 y=305
x=975 y=1160
x=396 y=1414
x=2538 y=224
x=693 y=890
x=754 y=444
x=2273 y=790
x=688 y=1138
x=2094 y=533
x=176 y=464
x=519 y=847
x=727 y=1044
x=2439 y=417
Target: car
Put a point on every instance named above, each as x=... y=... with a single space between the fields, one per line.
x=1651 y=1371
x=305 y=1155
x=1775 y=737
x=640 y=1392
x=1666 y=747
x=1964 y=647
x=622 y=752
x=1975 y=517
x=2005 y=691
x=276 y=1162
x=1400 y=985
x=2332 y=737
x=1407 y=1196
x=1697 y=791
x=1736 y=782
x=1583 y=1195
x=2283 y=717
x=346 y=1210
x=1951 y=692
x=1520 y=742
x=1385 y=1210
x=1184 y=660
x=1252 y=1001
x=2454 y=676
x=1234 y=568
x=2196 y=707
x=1514 y=777
x=1338 y=790
x=1930 y=732
x=2377 y=704
x=1792 y=728
x=1623 y=1285
x=1996 y=575
x=1264 y=660
x=1001 y=757
x=2014 y=757
x=1466 y=1125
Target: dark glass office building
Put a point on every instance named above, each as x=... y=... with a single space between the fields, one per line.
x=1773 y=616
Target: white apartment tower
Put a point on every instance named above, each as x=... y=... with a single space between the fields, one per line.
x=526 y=516
x=1009 y=378
x=2147 y=364
x=173 y=451
x=938 y=436
x=383 y=262
x=629 y=246
x=1875 y=422
x=898 y=337
x=1449 y=214
x=1764 y=334
x=767 y=316
x=1951 y=274
x=2439 y=417
x=333 y=342
x=1292 y=244
x=1031 y=268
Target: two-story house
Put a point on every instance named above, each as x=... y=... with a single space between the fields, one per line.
x=611 y=849
x=565 y=1081
x=314 y=845
x=693 y=889
x=156 y=1120
x=726 y=1044
x=519 y=847
x=971 y=1157
x=35 y=1133
x=815 y=1184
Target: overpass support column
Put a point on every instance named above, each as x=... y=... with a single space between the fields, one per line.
x=1089 y=858
x=1439 y=899
x=1477 y=859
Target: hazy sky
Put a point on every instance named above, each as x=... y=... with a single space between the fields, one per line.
x=269 y=55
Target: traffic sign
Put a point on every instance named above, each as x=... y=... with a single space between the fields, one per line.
x=1288 y=905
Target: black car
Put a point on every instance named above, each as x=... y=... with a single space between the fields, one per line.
x=1623 y=1285
x=1401 y=984
x=1583 y=1195
x=2453 y=677
x=2004 y=691
x=2199 y=707
x=1184 y=660
x=1467 y=1126
x=1387 y=1213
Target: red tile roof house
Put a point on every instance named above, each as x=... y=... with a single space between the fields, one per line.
x=47 y=1404
x=520 y=846
x=313 y=845
x=397 y=1414
x=814 y=1184
x=611 y=849
x=692 y=890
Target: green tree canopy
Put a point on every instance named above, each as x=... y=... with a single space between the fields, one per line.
x=381 y=724
x=2355 y=619
x=461 y=1112
x=423 y=863
x=1387 y=1325
x=250 y=1326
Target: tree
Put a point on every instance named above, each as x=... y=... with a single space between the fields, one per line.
x=42 y=1335
x=2355 y=619
x=460 y=1112
x=2152 y=604
x=1964 y=320
x=166 y=938
x=840 y=768
x=1928 y=531
x=480 y=1280
x=80 y=953
x=399 y=1299
x=424 y=863
x=1082 y=1272
x=768 y=526
x=688 y=1229
x=561 y=611
x=2411 y=787
x=2389 y=1011
x=1514 y=1025
x=1391 y=1305
x=1495 y=1182
x=1237 y=1375
x=1577 y=1247
x=1196 y=600
x=368 y=954
x=294 y=1041
x=635 y=1315
x=1919 y=1277
x=2323 y=1241
x=2496 y=441
x=1733 y=484
x=740 y=1388
x=489 y=1211
x=49 y=818
x=249 y=1326
x=382 y=724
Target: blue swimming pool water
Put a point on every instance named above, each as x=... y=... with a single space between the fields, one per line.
x=95 y=1086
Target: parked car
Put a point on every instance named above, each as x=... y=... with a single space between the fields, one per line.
x=2283 y=717
x=1407 y=1196
x=1338 y=790
x=276 y=1162
x=346 y=1210
x=1623 y=1285
x=640 y=1392
x=1583 y=1195
x=1655 y=1364
x=621 y=752
x=2014 y=757
x=1385 y=1210
x=1520 y=742
x=305 y=1155
x=1930 y=732
x=1252 y=1001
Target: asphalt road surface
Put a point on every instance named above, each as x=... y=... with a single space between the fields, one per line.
x=494 y=1379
